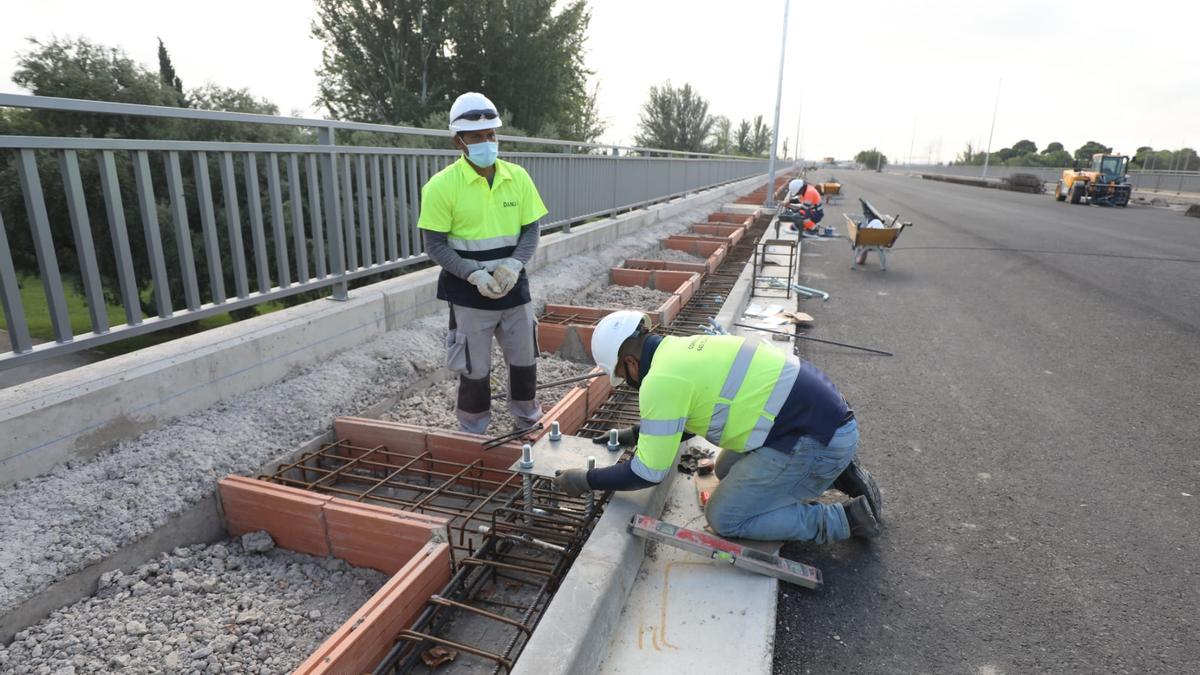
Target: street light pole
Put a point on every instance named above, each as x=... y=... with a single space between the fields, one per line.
x=987 y=155
x=770 y=201
x=799 y=116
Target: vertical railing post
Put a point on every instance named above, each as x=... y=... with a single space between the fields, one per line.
x=333 y=214
x=570 y=188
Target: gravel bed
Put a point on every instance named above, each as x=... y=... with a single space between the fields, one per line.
x=226 y=607
x=434 y=407
x=626 y=297
x=673 y=255
x=82 y=511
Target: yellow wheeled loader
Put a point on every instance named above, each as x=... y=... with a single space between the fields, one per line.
x=1105 y=184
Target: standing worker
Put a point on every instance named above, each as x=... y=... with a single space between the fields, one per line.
x=801 y=193
x=479 y=221
x=785 y=431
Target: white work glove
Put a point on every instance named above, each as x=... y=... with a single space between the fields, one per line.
x=506 y=274
x=486 y=284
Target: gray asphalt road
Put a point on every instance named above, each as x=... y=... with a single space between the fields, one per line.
x=1035 y=438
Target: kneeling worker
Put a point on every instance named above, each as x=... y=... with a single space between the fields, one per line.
x=785 y=431
x=479 y=221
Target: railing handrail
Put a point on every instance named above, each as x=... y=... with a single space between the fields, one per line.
x=209 y=227
x=167 y=112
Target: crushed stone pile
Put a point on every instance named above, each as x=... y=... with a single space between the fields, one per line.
x=57 y=524
x=626 y=297
x=434 y=406
x=227 y=607
x=672 y=255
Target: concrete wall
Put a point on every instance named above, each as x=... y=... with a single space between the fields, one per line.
x=76 y=414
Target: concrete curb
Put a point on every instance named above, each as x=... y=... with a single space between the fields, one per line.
x=76 y=414
x=574 y=633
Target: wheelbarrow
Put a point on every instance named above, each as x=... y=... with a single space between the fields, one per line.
x=865 y=239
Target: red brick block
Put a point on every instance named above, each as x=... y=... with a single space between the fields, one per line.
x=294 y=518
x=368 y=433
x=379 y=537
x=365 y=638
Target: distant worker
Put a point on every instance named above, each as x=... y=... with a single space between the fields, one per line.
x=801 y=193
x=785 y=430
x=480 y=222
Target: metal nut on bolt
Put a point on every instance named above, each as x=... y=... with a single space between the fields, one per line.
x=555 y=431
x=526 y=457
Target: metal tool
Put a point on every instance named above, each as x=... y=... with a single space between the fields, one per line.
x=555 y=383
x=524 y=538
x=513 y=435
x=749 y=559
x=813 y=339
x=810 y=292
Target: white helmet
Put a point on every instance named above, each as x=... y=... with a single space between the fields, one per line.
x=472 y=112
x=796 y=186
x=613 y=330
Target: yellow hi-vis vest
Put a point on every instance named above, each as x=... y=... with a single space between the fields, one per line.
x=723 y=387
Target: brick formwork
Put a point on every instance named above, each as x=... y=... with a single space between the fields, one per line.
x=567 y=329
x=733 y=218
x=714 y=251
x=364 y=639
x=732 y=232
x=570 y=411
x=407 y=545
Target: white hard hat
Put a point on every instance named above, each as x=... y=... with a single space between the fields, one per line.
x=473 y=111
x=795 y=186
x=613 y=330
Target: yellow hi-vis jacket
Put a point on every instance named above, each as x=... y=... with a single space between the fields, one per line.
x=723 y=387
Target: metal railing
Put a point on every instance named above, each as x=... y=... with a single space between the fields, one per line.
x=230 y=225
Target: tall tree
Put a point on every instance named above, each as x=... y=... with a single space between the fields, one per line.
x=1053 y=147
x=872 y=159
x=1024 y=146
x=675 y=118
x=742 y=138
x=78 y=68
x=760 y=137
x=529 y=61
x=384 y=60
x=1084 y=152
x=722 y=136
x=166 y=73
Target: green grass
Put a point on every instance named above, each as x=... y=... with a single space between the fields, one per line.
x=37 y=316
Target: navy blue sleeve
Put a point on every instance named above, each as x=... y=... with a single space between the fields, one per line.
x=619 y=476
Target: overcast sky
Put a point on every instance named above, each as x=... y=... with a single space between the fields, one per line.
x=859 y=73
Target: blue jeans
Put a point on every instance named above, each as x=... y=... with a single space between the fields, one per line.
x=763 y=492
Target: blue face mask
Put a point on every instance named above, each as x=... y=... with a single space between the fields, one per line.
x=483 y=154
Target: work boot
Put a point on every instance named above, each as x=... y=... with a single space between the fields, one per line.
x=855 y=481
x=862 y=522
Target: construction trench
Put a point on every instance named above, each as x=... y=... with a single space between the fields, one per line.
x=473 y=548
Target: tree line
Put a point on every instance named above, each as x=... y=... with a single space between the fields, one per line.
x=1025 y=153
x=678 y=118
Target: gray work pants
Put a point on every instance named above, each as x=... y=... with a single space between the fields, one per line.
x=469 y=353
